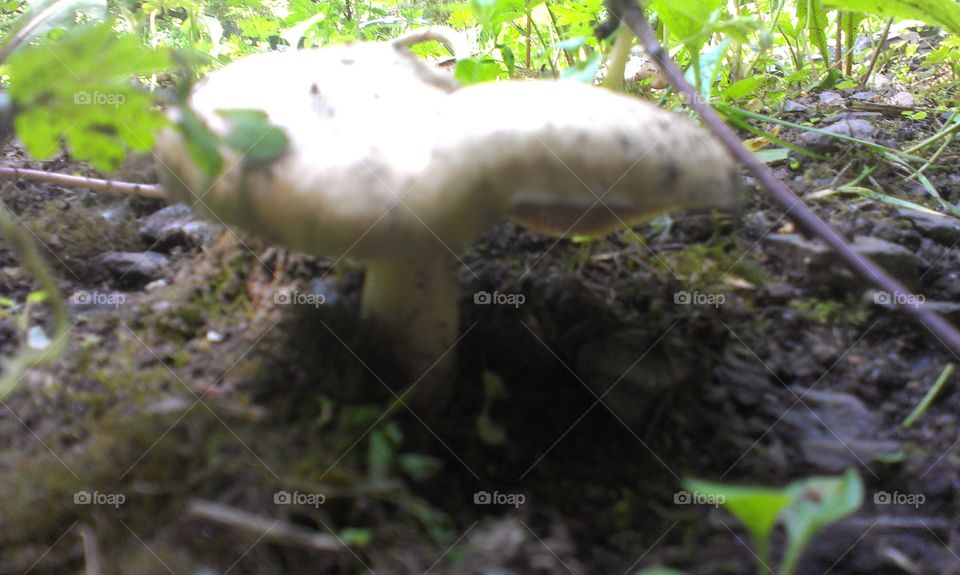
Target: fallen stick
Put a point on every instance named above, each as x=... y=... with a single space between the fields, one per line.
x=143 y=190
x=631 y=14
x=275 y=530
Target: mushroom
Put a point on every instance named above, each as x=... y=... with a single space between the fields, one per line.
x=390 y=162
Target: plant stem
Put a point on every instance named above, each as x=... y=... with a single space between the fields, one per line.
x=617 y=62
x=876 y=53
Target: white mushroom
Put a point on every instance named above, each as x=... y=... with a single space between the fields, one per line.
x=388 y=162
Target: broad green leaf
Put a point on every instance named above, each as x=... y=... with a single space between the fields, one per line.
x=756 y=507
x=79 y=89
x=817 y=502
x=202 y=144
x=685 y=19
x=944 y=13
x=584 y=71
x=475 y=71
x=252 y=134
x=812 y=17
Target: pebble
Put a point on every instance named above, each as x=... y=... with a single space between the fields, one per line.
x=178 y=225
x=903 y=99
x=791 y=106
x=942 y=229
x=133 y=267
x=817 y=263
x=831 y=99
x=854 y=128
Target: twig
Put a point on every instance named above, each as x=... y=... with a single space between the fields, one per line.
x=876 y=53
x=143 y=190
x=92 y=560
x=629 y=12
x=271 y=529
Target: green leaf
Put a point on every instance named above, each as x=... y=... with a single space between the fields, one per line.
x=202 y=144
x=812 y=17
x=252 y=134
x=685 y=19
x=743 y=88
x=584 y=71
x=475 y=71
x=772 y=155
x=756 y=507
x=944 y=13
x=419 y=467
x=357 y=537
x=78 y=89
x=817 y=502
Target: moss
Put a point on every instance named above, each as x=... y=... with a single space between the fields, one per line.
x=830 y=312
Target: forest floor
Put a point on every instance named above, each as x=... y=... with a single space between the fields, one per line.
x=725 y=347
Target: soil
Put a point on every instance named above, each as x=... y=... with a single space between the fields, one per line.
x=697 y=346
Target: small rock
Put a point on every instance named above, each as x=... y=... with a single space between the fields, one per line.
x=791 y=106
x=133 y=267
x=178 y=225
x=854 y=128
x=214 y=336
x=903 y=99
x=942 y=229
x=156 y=284
x=864 y=96
x=817 y=263
x=831 y=99
x=325 y=290
x=837 y=430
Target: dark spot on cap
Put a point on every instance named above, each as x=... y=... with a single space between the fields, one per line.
x=670 y=174
x=624 y=141
x=347 y=61
x=314 y=89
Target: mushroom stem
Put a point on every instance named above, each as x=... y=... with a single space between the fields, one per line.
x=417 y=303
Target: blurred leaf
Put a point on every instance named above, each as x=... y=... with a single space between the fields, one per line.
x=356 y=537
x=474 y=71
x=252 y=134
x=80 y=89
x=419 y=467
x=757 y=508
x=584 y=71
x=944 y=13
x=817 y=502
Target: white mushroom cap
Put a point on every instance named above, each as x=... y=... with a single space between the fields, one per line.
x=356 y=176
x=576 y=159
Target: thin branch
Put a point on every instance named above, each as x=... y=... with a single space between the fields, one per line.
x=270 y=529
x=143 y=190
x=876 y=53
x=632 y=15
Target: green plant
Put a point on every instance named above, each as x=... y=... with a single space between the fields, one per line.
x=803 y=507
